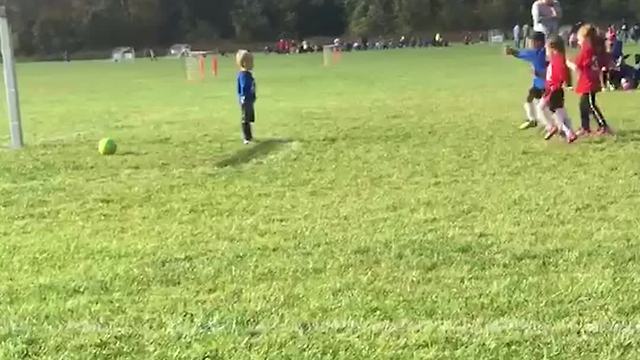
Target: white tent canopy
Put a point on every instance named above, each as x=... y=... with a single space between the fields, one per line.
x=179 y=50
x=123 y=53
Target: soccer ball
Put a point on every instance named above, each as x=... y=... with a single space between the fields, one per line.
x=107 y=146
x=626 y=84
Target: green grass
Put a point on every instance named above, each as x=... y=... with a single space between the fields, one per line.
x=391 y=211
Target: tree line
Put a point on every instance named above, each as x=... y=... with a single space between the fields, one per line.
x=49 y=26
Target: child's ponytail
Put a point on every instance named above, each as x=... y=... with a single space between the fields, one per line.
x=589 y=33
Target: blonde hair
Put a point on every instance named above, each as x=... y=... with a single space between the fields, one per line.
x=244 y=59
x=588 y=32
x=557 y=43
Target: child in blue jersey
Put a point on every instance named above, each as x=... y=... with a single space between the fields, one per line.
x=246 y=93
x=538 y=59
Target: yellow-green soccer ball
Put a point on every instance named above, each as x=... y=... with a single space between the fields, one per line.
x=107 y=146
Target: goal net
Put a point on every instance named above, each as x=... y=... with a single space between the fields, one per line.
x=496 y=36
x=194 y=64
x=331 y=55
x=198 y=64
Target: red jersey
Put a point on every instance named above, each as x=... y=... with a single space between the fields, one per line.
x=589 y=70
x=557 y=72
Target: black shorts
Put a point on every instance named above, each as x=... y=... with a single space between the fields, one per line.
x=248 y=113
x=556 y=100
x=535 y=93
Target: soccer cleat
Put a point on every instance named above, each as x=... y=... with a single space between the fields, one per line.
x=528 y=124
x=584 y=132
x=572 y=138
x=550 y=133
x=246 y=142
x=605 y=130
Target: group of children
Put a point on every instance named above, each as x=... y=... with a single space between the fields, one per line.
x=552 y=73
x=546 y=99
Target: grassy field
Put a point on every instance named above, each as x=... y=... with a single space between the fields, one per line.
x=391 y=210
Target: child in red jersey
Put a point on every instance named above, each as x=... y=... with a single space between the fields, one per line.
x=605 y=60
x=557 y=77
x=589 y=71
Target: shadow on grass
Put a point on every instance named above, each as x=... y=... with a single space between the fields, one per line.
x=628 y=136
x=255 y=151
x=131 y=153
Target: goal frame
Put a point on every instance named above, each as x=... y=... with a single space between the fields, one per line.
x=496 y=36
x=11 y=81
x=331 y=55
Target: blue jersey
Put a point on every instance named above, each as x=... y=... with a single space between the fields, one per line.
x=537 y=58
x=246 y=87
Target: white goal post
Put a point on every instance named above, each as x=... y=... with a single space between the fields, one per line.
x=331 y=55
x=194 y=64
x=11 y=81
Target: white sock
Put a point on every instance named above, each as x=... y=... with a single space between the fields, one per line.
x=563 y=121
x=530 y=111
x=536 y=106
x=545 y=115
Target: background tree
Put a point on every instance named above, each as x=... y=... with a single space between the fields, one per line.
x=51 y=26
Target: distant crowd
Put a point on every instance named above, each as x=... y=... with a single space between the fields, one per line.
x=288 y=46
x=623 y=32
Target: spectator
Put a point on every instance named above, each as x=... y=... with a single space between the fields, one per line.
x=282 y=46
x=612 y=34
x=624 y=31
x=437 y=39
x=517 y=36
x=546 y=16
x=616 y=50
x=576 y=27
x=573 y=40
x=468 y=39
x=306 y=48
x=403 y=42
x=526 y=35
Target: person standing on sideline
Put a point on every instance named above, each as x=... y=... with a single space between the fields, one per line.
x=526 y=35
x=624 y=31
x=517 y=36
x=546 y=16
